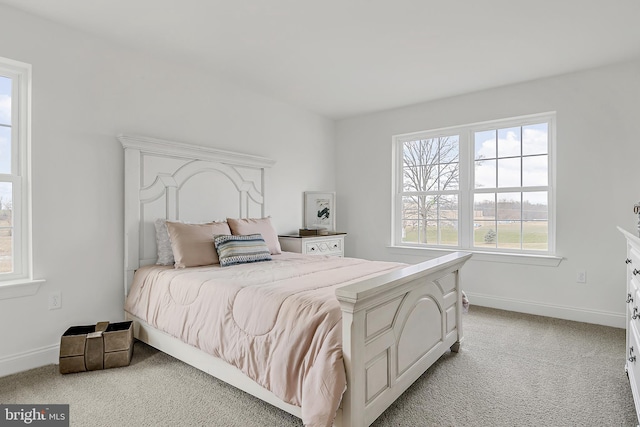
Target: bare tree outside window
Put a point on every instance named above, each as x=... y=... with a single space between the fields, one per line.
x=430 y=186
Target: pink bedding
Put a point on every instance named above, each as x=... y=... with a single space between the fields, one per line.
x=277 y=321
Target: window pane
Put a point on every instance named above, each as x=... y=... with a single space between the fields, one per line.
x=430 y=233
x=448 y=232
x=484 y=207
x=535 y=171
x=484 y=234
x=485 y=174
x=411 y=179
x=485 y=145
x=449 y=176
x=429 y=178
x=509 y=172
x=535 y=235
x=6 y=227
x=535 y=206
x=509 y=142
x=535 y=139
x=448 y=220
x=5 y=149
x=509 y=207
x=449 y=149
x=5 y=101
x=509 y=234
x=410 y=231
x=420 y=165
x=409 y=207
x=448 y=207
x=410 y=220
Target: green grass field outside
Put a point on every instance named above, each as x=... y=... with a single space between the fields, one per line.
x=507 y=236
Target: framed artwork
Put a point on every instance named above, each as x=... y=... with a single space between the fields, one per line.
x=320 y=210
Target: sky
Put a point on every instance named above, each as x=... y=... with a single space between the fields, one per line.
x=496 y=150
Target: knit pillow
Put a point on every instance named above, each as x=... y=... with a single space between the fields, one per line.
x=240 y=249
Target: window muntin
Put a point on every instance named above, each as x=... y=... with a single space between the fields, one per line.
x=501 y=191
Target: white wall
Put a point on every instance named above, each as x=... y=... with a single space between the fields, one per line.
x=85 y=92
x=598 y=181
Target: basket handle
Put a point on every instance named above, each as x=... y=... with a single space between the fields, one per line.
x=102 y=326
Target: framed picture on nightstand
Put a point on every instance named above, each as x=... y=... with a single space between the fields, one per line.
x=320 y=210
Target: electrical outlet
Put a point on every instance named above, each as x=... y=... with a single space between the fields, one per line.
x=581 y=276
x=55 y=300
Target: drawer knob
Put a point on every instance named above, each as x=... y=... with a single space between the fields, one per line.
x=632 y=357
x=635 y=313
x=629 y=298
x=636 y=271
x=627 y=261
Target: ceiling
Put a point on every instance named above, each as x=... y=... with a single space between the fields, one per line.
x=342 y=58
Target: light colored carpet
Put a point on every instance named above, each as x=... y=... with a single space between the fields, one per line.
x=512 y=370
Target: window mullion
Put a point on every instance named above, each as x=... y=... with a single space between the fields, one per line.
x=465 y=198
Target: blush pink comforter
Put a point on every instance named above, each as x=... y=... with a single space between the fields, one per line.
x=279 y=321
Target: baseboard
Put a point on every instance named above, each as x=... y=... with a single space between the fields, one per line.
x=28 y=360
x=616 y=320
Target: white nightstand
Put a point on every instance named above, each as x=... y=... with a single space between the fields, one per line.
x=331 y=244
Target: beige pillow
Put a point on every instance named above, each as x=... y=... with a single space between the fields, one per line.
x=192 y=244
x=262 y=226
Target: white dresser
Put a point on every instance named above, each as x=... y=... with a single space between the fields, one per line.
x=633 y=315
x=332 y=244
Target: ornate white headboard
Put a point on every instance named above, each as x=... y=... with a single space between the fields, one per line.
x=178 y=181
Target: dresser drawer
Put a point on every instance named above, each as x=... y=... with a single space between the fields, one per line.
x=633 y=351
x=633 y=264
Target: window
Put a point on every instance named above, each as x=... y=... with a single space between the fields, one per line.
x=482 y=187
x=15 y=263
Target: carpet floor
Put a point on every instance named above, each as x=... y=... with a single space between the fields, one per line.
x=513 y=369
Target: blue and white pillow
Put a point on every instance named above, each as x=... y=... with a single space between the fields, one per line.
x=241 y=249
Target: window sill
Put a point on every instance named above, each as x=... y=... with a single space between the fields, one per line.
x=19 y=288
x=510 y=258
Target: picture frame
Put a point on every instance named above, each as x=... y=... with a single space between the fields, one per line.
x=320 y=210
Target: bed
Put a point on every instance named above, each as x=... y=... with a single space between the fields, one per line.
x=386 y=322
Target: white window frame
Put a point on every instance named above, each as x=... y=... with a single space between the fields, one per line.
x=20 y=282
x=466 y=192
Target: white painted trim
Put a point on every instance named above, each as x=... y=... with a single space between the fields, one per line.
x=19 y=288
x=466 y=191
x=20 y=175
x=599 y=317
x=484 y=256
x=163 y=147
x=29 y=360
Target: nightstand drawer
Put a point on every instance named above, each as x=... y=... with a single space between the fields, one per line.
x=332 y=245
x=325 y=247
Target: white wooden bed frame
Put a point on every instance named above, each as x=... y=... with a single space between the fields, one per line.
x=394 y=326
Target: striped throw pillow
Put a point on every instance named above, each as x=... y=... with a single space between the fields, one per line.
x=240 y=249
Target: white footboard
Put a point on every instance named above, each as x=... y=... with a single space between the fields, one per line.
x=394 y=327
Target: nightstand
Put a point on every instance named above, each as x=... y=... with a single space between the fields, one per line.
x=331 y=244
